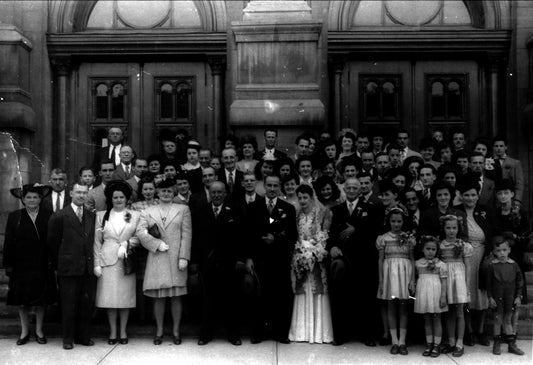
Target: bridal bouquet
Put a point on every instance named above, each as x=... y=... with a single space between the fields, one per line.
x=458 y=247
x=407 y=238
x=308 y=252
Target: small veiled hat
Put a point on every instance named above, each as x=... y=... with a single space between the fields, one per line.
x=166 y=183
x=42 y=190
x=504 y=184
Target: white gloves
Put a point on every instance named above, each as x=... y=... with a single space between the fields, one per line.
x=122 y=252
x=97 y=271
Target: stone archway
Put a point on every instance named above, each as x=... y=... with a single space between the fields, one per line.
x=72 y=16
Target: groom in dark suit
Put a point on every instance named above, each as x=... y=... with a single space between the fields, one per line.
x=354 y=267
x=272 y=235
x=71 y=240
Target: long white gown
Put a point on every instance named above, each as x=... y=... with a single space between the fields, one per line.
x=311 y=315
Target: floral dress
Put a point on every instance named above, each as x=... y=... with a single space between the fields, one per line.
x=454 y=254
x=478 y=297
x=428 y=286
x=397 y=266
x=311 y=316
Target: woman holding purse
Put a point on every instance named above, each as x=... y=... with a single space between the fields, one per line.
x=165 y=231
x=114 y=237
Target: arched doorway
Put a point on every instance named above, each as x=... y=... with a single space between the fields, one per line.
x=148 y=67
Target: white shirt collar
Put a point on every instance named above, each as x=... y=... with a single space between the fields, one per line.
x=75 y=207
x=274 y=201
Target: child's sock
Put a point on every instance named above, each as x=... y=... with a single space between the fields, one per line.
x=437 y=340
x=403 y=333
x=459 y=343
x=429 y=339
x=394 y=336
x=451 y=341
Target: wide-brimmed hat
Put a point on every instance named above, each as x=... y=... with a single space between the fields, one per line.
x=42 y=190
x=166 y=183
x=117 y=185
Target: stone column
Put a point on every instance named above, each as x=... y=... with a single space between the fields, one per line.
x=63 y=69
x=218 y=65
x=337 y=67
x=494 y=71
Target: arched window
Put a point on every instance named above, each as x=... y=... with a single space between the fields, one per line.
x=166 y=101
x=174 y=100
x=109 y=100
x=380 y=98
x=447 y=96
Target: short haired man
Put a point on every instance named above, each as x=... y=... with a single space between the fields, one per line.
x=59 y=197
x=382 y=165
x=367 y=185
x=459 y=141
x=140 y=167
x=115 y=136
x=229 y=175
x=362 y=143
x=96 y=200
x=302 y=146
x=202 y=197
x=270 y=152
x=511 y=168
x=487 y=185
x=124 y=170
x=204 y=157
x=402 y=139
x=87 y=176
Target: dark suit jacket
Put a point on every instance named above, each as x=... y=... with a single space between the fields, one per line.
x=238 y=190
x=373 y=199
x=486 y=195
x=282 y=225
x=120 y=174
x=512 y=169
x=198 y=200
x=360 y=247
x=278 y=155
x=100 y=155
x=71 y=242
x=48 y=204
x=215 y=241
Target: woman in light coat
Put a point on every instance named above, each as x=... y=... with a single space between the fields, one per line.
x=168 y=256
x=114 y=232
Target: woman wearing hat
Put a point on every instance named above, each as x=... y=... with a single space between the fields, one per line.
x=26 y=260
x=192 y=167
x=114 y=234
x=169 y=251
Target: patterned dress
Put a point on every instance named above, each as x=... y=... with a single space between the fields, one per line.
x=397 y=267
x=311 y=315
x=476 y=236
x=428 y=286
x=456 y=292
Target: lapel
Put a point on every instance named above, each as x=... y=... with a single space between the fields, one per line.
x=172 y=213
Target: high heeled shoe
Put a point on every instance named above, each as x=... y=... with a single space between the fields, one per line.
x=41 y=340
x=176 y=340
x=24 y=340
x=123 y=341
x=112 y=341
x=158 y=340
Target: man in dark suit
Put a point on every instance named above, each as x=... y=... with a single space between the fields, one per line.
x=71 y=240
x=96 y=200
x=201 y=198
x=59 y=197
x=243 y=202
x=140 y=166
x=487 y=193
x=229 y=175
x=271 y=237
x=270 y=152
x=354 y=267
x=124 y=170
x=214 y=251
x=115 y=135
x=510 y=168
x=367 y=185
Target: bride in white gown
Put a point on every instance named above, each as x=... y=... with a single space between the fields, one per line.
x=311 y=315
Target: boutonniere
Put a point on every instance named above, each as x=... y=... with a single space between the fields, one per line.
x=406 y=238
x=228 y=208
x=280 y=211
x=489 y=163
x=365 y=214
x=283 y=216
x=432 y=264
x=458 y=248
x=483 y=214
x=127 y=217
x=271 y=220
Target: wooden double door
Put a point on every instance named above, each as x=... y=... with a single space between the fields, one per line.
x=416 y=95
x=147 y=100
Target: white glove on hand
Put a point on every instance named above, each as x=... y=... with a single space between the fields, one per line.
x=122 y=252
x=97 y=271
x=163 y=247
x=182 y=264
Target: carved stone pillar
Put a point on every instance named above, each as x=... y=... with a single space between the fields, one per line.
x=218 y=66
x=337 y=68
x=63 y=69
x=494 y=76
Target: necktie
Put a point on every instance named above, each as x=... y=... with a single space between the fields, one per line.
x=350 y=207
x=79 y=213
x=112 y=155
x=415 y=222
x=270 y=206
x=58 y=203
x=426 y=193
x=249 y=199
x=230 y=181
x=127 y=170
x=215 y=211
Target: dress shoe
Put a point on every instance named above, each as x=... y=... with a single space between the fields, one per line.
x=458 y=352
x=483 y=340
x=41 y=340
x=123 y=341
x=176 y=340
x=203 y=341
x=256 y=339
x=235 y=341
x=469 y=339
x=435 y=351
x=394 y=350
x=158 y=340
x=112 y=341
x=24 y=340
x=85 y=343
x=68 y=346
x=370 y=343
x=385 y=341
x=445 y=348
x=427 y=350
x=403 y=350
x=284 y=340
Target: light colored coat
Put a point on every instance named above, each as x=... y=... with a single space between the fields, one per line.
x=108 y=240
x=176 y=231
x=96 y=199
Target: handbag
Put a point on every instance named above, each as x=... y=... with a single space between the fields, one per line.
x=130 y=261
x=154 y=231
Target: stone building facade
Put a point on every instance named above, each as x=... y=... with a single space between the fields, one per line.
x=70 y=69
